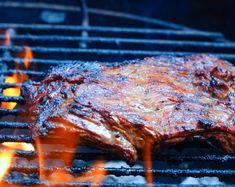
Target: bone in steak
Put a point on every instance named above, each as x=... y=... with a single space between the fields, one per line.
x=163 y=100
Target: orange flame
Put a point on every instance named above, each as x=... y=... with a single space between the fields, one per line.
x=10 y=92
x=10 y=147
x=148 y=162
x=16 y=78
x=5 y=161
x=7 y=156
x=19 y=146
x=100 y=174
x=94 y=176
x=28 y=57
x=67 y=158
x=40 y=157
x=8 y=39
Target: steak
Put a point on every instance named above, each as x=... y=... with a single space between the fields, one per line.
x=161 y=100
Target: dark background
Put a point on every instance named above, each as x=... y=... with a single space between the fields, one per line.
x=211 y=15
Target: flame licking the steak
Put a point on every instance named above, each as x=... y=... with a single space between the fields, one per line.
x=28 y=57
x=148 y=162
x=95 y=175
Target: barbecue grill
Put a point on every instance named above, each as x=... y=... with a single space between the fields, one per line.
x=111 y=38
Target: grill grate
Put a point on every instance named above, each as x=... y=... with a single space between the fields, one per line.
x=59 y=44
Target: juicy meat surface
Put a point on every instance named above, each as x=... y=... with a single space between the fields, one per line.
x=162 y=100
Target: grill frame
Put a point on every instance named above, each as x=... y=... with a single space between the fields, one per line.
x=170 y=30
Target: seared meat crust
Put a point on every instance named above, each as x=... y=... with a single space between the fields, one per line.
x=162 y=99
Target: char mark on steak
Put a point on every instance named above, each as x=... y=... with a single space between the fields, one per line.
x=163 y=99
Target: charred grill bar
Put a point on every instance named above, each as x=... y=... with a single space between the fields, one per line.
x=59 y=44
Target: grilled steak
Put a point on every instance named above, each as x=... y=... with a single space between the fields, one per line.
x=162 y=100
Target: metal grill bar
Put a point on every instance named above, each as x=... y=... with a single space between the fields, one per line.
x=28 y=72
x=190 y=33
x=18 y=125
x=40 y=49
x=11 y=98
x=170 y=43
x=16 y=138
x=32 y=5
x=87 y=156
x=21 y=125
x=135 y=171
x=28 y=139
x=196 y=40
x=10 y=112
x=75 y=184
x=55 y=62
x=29 y=182
x=8 y=85
x=218 y=158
